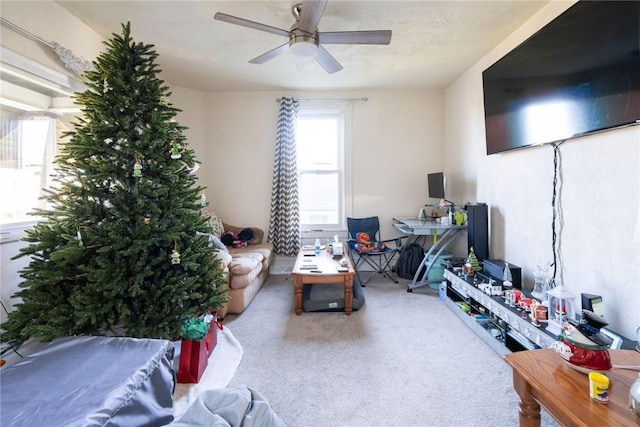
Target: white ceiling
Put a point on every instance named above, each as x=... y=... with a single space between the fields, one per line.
x=433 y=42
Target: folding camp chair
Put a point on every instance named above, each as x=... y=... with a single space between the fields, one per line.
x=366 y=247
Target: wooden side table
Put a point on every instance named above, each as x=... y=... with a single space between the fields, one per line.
x=326 y=272
x=543 y=378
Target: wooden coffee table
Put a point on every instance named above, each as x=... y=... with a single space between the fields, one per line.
x=326 y=272
x=543 y=378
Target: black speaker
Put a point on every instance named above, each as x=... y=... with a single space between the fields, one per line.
x=478 y=229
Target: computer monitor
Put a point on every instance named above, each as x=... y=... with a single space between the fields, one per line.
x=436 y=183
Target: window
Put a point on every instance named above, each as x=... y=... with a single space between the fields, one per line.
x=35 y=110
x=322 y=141
x=28 y=146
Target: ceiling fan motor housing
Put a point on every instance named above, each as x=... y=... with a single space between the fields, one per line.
x=304 y=37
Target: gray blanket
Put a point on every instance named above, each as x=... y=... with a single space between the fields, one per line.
x=230 y=407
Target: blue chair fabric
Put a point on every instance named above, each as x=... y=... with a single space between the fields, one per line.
x=379 y=260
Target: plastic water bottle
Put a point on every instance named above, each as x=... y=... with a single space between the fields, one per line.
x=507 y=278
x=317 y=246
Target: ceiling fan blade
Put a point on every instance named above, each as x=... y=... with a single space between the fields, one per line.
x=219 y=16
x=327 y=61
x=310 y=14
x=355 y=37
x=268 y=56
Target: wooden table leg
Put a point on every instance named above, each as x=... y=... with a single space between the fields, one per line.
x=297 y=290
x=348 y=294
x=529 y=409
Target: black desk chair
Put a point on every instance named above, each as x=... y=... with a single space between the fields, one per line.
x=366 y=247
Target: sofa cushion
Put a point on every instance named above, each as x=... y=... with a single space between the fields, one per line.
x=245 y=263
x=241 y=281
x=224 y=257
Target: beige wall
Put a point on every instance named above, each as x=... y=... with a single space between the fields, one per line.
x=396 y=139
x=599 y=197
x=48 y=21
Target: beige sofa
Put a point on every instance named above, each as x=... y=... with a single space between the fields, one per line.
x=246 y=269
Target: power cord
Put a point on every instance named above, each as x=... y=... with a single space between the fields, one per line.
x=10 y=346
x=556 y=209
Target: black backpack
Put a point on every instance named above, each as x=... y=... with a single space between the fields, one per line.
x=410 y=257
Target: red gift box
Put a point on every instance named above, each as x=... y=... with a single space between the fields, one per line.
x=194 y=355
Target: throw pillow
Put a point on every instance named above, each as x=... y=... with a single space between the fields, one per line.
x=216 y=225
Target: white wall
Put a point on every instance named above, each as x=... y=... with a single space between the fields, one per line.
x=50 y=22
x=599 y=197
x=397 y=137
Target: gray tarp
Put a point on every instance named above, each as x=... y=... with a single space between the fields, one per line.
x=230 y=407
x=90 y=381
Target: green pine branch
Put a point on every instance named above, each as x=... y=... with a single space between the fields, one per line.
x=101 y=261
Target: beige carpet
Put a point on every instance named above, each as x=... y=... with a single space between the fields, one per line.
x=222 y=365
x=403 y=359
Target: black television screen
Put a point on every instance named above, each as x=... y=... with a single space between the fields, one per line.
x=436 y=182
x=577 y=75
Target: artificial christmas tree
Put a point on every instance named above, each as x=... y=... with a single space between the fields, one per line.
x=472 y=261
x=118 y=252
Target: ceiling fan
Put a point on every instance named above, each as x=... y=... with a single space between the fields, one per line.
x=304 y=37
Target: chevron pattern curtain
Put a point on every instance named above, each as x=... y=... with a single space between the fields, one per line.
x=284 y=225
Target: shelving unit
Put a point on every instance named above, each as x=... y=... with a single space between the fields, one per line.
x=502 y=327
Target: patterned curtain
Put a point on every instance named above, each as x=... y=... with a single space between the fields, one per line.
x=284 y=225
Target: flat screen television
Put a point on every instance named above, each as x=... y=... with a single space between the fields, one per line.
x=436 y=183
x=577 y=75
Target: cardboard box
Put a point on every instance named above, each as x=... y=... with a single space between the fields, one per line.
x=495 y=269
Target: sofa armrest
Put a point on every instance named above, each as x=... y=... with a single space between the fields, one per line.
x=259 y=232
x=224 y=258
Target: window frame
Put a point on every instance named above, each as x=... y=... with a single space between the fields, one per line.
x=39 y=92
x=342 y=111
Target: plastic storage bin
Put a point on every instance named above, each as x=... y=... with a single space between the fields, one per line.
x=436 y=274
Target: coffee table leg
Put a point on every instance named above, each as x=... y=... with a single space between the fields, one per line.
x=297 y=290
x=529 y=409
x=348 y=294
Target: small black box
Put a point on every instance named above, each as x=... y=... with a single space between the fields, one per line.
x=495 y=269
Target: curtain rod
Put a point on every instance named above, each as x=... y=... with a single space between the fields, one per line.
x=25 y=32
x=365 y=99
x=76 y=64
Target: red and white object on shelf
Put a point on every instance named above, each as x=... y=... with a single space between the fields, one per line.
x=583 y=345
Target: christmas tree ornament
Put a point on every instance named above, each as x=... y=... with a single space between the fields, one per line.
x=105 y=86
x=472 y=261
x=137 y=167
x=175 y=255
x=147 y=220
x=193 y=169
x=203 y=200
x=79 y=237
x=175 y=150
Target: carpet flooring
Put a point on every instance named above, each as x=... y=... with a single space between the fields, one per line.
x=403 y=359
x=221 y=367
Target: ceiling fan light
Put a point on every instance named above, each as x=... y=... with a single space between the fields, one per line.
x=304 y=49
